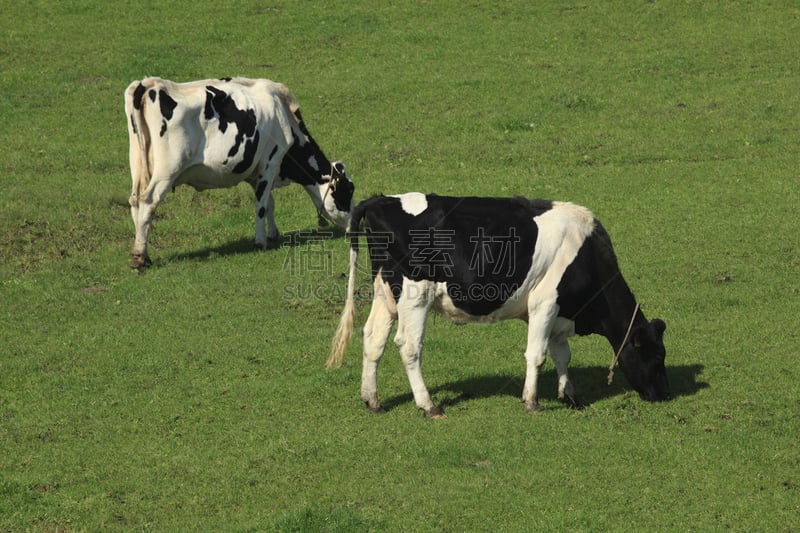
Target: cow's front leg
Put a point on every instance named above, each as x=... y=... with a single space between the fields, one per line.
x=317 y=192
x=541 y=314
x=534 y=358
x=412 y=312
x=272 y=228
x=560 y=352
x=265 y=209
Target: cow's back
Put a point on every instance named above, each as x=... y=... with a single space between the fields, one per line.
x=212 y=133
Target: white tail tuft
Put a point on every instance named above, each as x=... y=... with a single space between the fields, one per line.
x=345 y=330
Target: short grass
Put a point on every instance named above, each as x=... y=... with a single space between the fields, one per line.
x=193 y=397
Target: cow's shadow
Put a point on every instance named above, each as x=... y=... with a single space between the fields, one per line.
x=590 y=386
x=242 y=246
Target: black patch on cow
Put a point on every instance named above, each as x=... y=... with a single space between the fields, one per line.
x=482 y=247
x=152 y=94
x=592 y=290
x=167 y=105
x=272 y=153
x=208 y=109
x=262 y=186
x=301 y=123
x=295 y=165
x=343 y=194
x=250 y=148
x=219 y=104
x=226 y=79
x=137 y=96
x=341 y=187
x=261 y=212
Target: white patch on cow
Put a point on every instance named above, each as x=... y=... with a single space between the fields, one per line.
x=510 y=309
x=323 y=199
x=412 y=203
x=312 y=162
x=562 y=231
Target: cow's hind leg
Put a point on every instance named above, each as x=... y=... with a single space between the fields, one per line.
x=412 y=312
x=140 y=259
x=143 y=217
x=376 y=333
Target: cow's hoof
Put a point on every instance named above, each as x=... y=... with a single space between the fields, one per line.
x=534 y=408
x=378 y=408
x=140 y=262
x=270 y=244
x=572 y=402
x=435 y=413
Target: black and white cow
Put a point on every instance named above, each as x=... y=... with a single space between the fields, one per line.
x=217 y=133
x=490 y=259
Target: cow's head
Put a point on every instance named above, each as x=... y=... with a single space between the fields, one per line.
x=642 y=361
x=337 y=196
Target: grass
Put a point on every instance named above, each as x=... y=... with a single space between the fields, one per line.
x=194 y=396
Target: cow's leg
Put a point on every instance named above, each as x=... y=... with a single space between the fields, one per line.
x=560 y=352
x=143 y=217
x=140 y=259
x=265 y=208
x=376 y=333
x=272 y=228
x=412 y=312
x=315 y=192
x=542 y=311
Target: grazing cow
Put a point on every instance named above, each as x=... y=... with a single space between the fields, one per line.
x=490 y=259
x=216 y=133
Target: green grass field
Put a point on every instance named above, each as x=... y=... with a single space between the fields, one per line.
x=194 y=396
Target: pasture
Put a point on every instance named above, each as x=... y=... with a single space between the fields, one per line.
x=194 y=396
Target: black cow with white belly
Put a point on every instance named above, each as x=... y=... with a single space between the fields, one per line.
x=217 y=133
x=490 y=259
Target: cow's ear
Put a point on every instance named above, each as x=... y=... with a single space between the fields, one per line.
x=338 y=169
x=659 y=326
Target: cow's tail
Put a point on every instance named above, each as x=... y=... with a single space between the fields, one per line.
x=134 y=108
x=345 y=330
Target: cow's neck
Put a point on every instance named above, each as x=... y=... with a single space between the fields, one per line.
x=305 y=162
x=624 y=315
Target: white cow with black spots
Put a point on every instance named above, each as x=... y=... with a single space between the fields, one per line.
x=217 y=133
